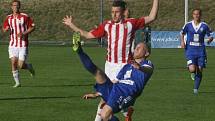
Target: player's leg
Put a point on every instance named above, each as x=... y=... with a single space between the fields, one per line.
x=128 y=113
x=99 y=109
x=13 y=55
x=191 y=63
x=22 y=61
x=106 y=113
x=15 y=71
x=198 y=77
x=85 y=59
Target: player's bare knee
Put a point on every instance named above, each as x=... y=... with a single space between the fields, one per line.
x=104 y=116
x=21 y=65
x=192 y=69
x=106 y=113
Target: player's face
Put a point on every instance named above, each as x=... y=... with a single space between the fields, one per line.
x=117 y=14
x=140 y=51
x=196 y=15
x=15 y=7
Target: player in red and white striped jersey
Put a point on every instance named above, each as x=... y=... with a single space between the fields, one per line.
x=120 y=34
x=19 y=25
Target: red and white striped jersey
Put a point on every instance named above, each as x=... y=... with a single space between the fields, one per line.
x=18 y=24
x=120 y=37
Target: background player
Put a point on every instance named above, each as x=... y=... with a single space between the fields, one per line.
x=195 y=47
x=20 y=25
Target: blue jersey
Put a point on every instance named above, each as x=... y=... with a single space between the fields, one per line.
x=195 y=45
x=132 y=80
x=128 y=77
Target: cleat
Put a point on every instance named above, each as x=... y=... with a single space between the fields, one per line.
x=31 y=70
x=17 y=85
x=76 y=39
x=192 y=75
x=195 y=91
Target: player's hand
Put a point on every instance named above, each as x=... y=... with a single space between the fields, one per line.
x=5 y=29
x=182 y=45
x=20 y=35
x=89 y=96
x=67 y=20
x=210 y=40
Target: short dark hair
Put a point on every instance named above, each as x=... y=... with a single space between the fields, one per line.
x=120 y=3
x=197 y=9
x=13 y=1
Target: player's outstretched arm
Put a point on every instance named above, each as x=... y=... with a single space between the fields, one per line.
x=153 y=14
x=68 y=20
x=91 y=96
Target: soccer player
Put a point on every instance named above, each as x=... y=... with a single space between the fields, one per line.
x=129 y=84
x=20 y=25
x=195 y=51
x=120 y=34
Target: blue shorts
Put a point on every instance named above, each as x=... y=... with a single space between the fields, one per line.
x=118 y=99
x=197 y=60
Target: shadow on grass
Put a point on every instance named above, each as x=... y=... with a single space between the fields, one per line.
x=207 y=92
x=40 y=98
x=171 y=68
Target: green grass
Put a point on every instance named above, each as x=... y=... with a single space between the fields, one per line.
x=55 y=93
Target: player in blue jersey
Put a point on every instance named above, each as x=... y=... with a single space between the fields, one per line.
x=195 y=51
x=131 y=81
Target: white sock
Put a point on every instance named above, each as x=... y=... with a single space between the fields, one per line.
x=16 y=76
x=98 y=117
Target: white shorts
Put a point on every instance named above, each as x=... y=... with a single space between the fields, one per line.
x=20 y=53
x=112 y=69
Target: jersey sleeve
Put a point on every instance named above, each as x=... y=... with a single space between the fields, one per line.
x=184 y=29
x=209 y=32
x=5 y=24
x=147 y=64
x=99 y=31
x=138 y=23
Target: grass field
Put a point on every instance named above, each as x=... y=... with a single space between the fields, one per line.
x=55 y=93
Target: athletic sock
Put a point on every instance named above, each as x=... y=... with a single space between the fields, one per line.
x=98 y=117
x=16 y=76
x=198 y=79
x=86 y=61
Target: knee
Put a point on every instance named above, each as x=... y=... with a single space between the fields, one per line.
x=104 y=116
x=192 y=69
x=20 y=66
x=106 y=113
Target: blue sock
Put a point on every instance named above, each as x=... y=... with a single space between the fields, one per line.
x=114 y=118
x=86 y=61
x=198 y=79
